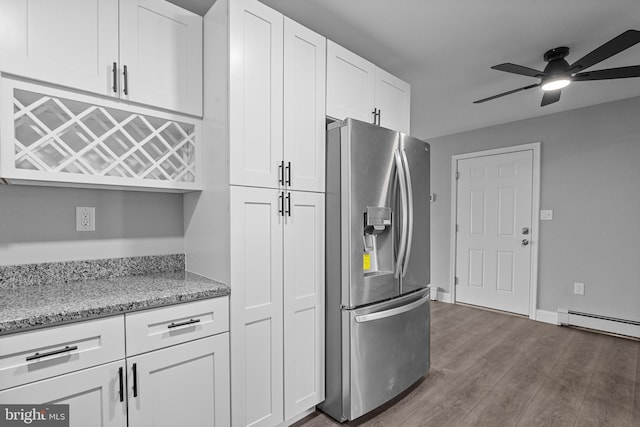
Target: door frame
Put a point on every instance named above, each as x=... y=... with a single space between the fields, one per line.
x=535 y=219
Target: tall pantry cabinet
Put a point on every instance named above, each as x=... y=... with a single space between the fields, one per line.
x=259 y=223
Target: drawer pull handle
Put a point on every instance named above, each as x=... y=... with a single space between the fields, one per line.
x=120 y=374
x=134 y=368
x=188 y=322
x=52 y=353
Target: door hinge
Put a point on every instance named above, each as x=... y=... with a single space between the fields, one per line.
x=457 y=175
x=457 y=228
x=455 y=280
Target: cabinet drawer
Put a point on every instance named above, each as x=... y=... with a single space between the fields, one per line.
x=35 y=355
x=162 y=327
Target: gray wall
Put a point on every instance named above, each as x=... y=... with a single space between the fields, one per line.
x=37 y=224
x=590 y=177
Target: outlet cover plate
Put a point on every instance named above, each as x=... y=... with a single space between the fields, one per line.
x=578 y=288
x=546 y=215
x=85 y=218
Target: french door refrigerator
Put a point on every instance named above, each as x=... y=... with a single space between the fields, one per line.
x=377 y=266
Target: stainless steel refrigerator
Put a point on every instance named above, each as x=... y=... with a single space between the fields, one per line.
x=377 y=266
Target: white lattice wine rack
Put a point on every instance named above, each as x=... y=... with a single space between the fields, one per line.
x=58 y=137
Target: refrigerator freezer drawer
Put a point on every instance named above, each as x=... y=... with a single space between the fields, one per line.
x=389 y=350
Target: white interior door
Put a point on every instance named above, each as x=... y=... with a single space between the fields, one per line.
x=304 y=106
x=256 y=307
x=493 y=242
x=303 y=302
x=68 y=42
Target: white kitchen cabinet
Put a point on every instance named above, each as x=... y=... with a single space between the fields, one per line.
x=161 y=48
x=175 y=370
x=358 y=89
x=90 y=45
x=304 y=107
x=303 y=302
x=93 y=395
x=50 y=136
x=277 y=268
x=182 y=385
x=277 y=100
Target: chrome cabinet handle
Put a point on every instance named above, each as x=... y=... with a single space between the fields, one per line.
x=281 y=204
x=188 y=322
x=52 y=353
x=288 y=170
x=281 y=173
x=288 y=204
x=120 y=377
x=375 y=116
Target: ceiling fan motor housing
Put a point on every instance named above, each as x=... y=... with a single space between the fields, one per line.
x=556 y=62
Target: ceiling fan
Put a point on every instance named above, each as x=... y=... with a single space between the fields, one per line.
x=558 y=73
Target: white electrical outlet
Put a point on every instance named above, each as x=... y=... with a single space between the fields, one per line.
x=85 y=218
x=578 y=288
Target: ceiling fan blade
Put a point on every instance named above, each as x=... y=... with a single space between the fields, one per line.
x=550 y=97
x=610 y=73
x=506 y=93
x=607 y=50
x=518 y=69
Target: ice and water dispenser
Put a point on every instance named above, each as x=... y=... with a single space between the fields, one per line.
x=377 y=257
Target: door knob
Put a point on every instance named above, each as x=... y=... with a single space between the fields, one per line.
x=525 y=242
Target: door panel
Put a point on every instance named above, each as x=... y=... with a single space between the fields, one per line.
x=389 y=350
x=417 y=270
x=256 y=306
x=256 y=88
x=168 y=77
x=350 y=84
x=92 y=395
x=493 y=266
x=304 y=303
x=393 y=99
x=187 y=384
x=304 y=106
x=72 y=43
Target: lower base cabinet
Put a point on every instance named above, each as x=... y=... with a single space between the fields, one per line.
x=93 y=395
x=173 y=390
x=180 y=377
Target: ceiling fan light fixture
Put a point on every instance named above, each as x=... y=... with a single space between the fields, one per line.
x=556 y=83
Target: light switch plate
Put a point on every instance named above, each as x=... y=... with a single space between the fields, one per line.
x=578 y=288
x=546 y=215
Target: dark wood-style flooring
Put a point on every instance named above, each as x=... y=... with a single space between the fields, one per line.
x=495 y=369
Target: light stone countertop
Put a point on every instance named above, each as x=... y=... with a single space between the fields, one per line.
x=27 y=307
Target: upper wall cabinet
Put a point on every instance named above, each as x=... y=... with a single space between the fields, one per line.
x=277 y=100
x=145 y=51
x=358 y=89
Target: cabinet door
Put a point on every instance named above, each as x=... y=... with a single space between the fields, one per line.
x=304 y=106
x=350 y=84
x=67 y=42
x=304 y=302
x=161 y=47
x=256 y=306
x=393 y=99
x=183 y=385
x=93 y=395
x=255 y=101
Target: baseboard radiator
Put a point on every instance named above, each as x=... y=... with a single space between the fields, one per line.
x=614 y=325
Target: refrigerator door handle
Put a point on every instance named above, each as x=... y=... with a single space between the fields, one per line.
x=404 y=208
x=405 y=164
x=392 y=312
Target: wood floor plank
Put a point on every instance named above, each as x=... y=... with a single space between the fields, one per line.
x=609 y=397
x=494 y=369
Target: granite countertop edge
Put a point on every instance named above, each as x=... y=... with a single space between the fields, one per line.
x=103 y=298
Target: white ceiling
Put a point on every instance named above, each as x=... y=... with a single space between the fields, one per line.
x=445 y=49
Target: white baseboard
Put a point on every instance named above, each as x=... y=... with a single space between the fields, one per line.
x=547 y=317
x=437 y=294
